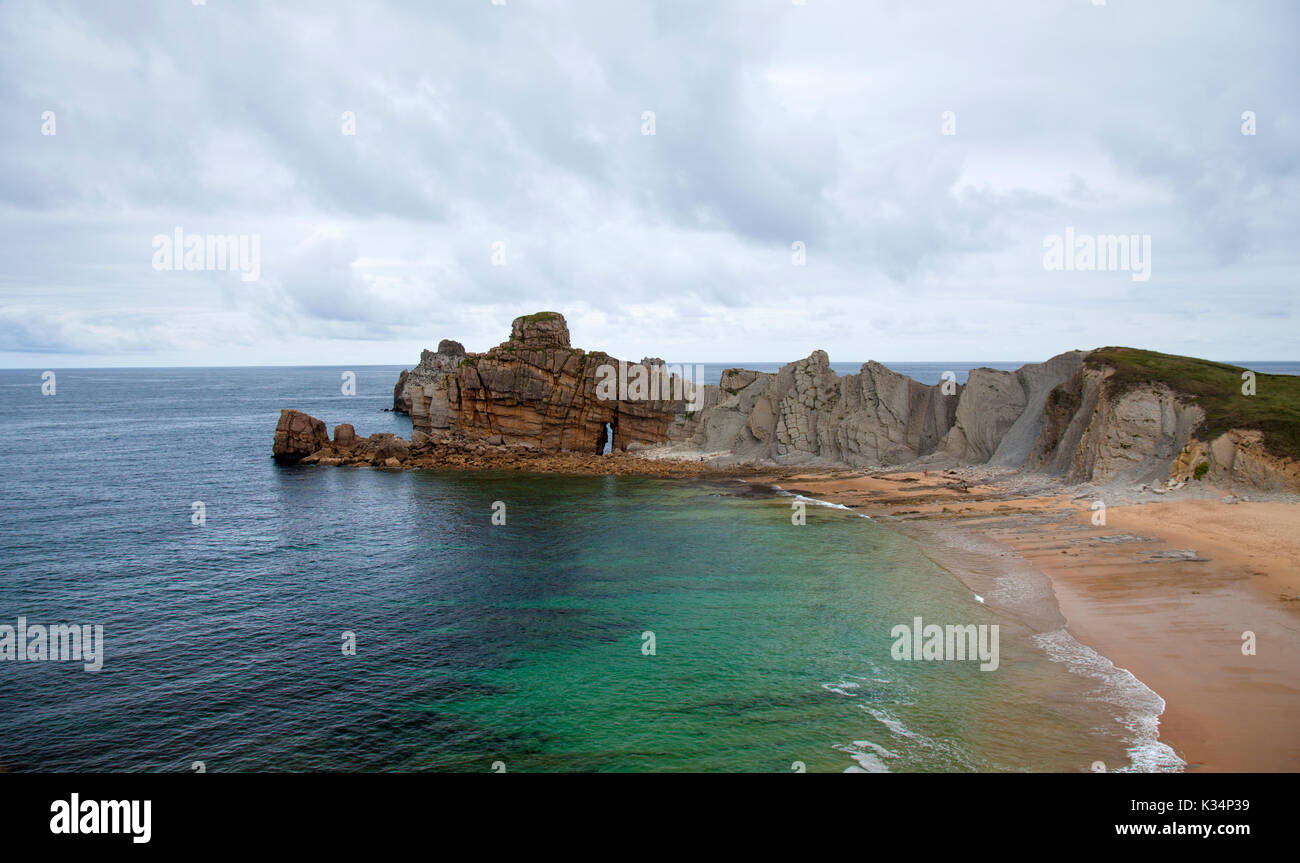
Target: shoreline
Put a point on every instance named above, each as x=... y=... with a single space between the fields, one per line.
x=1163 y=590
x=1161 y=593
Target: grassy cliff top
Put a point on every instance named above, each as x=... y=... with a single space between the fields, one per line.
x=1216 y=389
x=540 y=316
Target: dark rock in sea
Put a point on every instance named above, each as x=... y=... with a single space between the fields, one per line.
x=297 y=435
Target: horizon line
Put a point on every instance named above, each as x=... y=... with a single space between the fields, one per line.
x=730 y=363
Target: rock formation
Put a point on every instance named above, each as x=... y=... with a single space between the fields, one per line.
x=807 y=414
x=433 y=367
x=297 y=435
x=1072 y=416
x=1236 y=458
x=536 y=389
x=1092 y=433
x=1131 y=416
x=1000 y=414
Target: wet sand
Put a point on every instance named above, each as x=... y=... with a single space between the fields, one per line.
x=1165 y=589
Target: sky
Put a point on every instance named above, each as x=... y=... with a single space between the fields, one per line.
x=700 y=181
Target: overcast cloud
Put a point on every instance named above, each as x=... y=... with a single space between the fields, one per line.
x=522 y=125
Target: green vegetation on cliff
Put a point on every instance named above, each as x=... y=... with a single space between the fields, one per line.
x=541 y=316
x=1217 y=389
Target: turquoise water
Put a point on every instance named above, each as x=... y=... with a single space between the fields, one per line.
x=476 y=642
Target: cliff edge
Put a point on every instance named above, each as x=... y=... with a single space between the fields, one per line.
x=1112 y=415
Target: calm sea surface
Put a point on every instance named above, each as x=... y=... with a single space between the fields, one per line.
x=476 y=643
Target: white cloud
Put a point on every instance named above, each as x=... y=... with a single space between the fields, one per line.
x=522 y=124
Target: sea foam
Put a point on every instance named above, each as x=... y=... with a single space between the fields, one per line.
x=1140 y=705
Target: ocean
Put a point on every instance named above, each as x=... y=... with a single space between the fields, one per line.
x=610 y=624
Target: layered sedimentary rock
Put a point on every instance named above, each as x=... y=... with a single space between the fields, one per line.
x=433 y=367
x=807 y=414
x=1096 y=431
x=1000 y=414
x=1236 y=458
x=1070 y=416
x=536 y=389
x=1096 y=434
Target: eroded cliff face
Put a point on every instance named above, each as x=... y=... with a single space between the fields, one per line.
x=807 y=414
x=1097 y=431
x=433 y=367
x=1237 y=458
x=535 y=389
x=1002 y=414
x=1071 y=416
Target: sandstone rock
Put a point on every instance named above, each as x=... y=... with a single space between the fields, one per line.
x=540 y=330
x=386 y=445
x=535 y=389
x=451 y=348
x=432 y=368
x=345 y=435
x=1237 y=458
x=297 y=435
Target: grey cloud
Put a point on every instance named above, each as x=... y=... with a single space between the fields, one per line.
x=774 y=123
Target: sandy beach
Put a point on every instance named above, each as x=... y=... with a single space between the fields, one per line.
x=1170 y=589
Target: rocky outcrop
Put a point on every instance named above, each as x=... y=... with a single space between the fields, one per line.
x=807 y=414
x=433 y=367
x=990 y=404
x=536 y=389
x=297 y=435
x=1091 y=432
x=1097 y=428
x=456 y=451
x=1236 y=459
x=1001 y=414
x=1111 y=415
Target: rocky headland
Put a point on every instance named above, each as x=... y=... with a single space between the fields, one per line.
x=1109 y=416
x=1007 y=481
